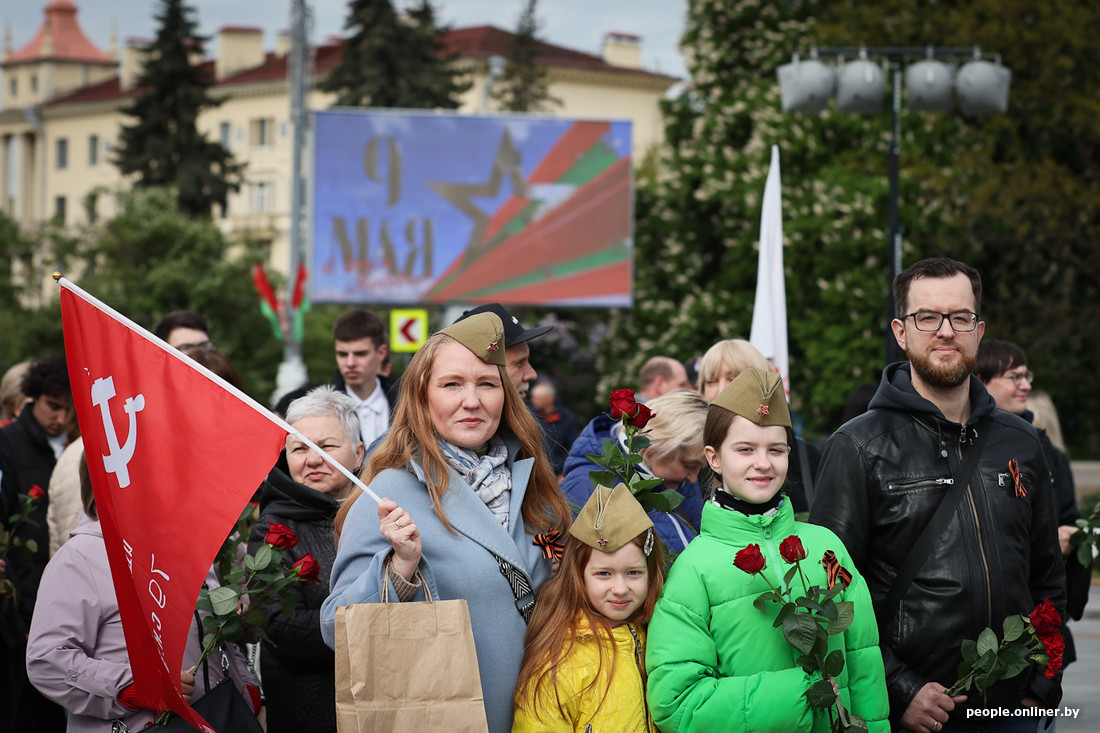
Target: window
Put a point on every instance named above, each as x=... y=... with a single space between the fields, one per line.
x=62 y=153
x=34 y=84
x=263 y=132
x=93 y=150
x=59 y=209
x=224 y=132
x=14 y=87
x=261 y=197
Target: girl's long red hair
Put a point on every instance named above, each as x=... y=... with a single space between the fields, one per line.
x=563 y=606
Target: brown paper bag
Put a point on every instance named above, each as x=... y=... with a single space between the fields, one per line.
x=407 y=667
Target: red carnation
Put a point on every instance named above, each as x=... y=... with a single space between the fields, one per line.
x=642 y=418
x=280 y=536
x=791 y=549
x=36 y=493
x=622 y=403
x=749 y=559
x=1046 y=619
x=306 y=568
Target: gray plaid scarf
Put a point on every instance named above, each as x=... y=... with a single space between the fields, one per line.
x=488 y=474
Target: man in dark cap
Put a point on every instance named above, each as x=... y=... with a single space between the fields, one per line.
x=517 y=352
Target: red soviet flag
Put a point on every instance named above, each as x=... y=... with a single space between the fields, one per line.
x=174 y=454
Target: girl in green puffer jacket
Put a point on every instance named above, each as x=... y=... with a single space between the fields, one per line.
x=715 y=662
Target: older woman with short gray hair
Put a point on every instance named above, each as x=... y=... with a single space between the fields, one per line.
x=303 y=495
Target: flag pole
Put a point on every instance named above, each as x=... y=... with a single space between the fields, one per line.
x=176 y=353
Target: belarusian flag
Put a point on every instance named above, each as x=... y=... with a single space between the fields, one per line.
x=269 y=304
x=299 y=303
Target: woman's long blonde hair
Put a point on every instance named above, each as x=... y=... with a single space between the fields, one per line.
x=412 y=437
x=563 y=603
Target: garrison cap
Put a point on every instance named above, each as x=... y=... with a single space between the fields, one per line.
x=610 y=519
x=757 y=396
x=482 y=334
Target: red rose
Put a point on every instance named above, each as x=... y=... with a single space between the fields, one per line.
x=1045 y=619
x=750 y=560
x=644 y=416
x=307 y=569
x=36 y=493
x=1055 y=647
x=791 y=549
x=623 y=403
x=280 y=536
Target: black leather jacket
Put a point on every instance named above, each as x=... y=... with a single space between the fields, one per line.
x=881 y=478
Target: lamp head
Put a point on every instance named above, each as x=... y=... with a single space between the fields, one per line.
x=860 y=87
x=982 y=87
x=805 y=86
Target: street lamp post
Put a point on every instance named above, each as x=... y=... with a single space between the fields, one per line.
x=981 y=86
x=292 y=371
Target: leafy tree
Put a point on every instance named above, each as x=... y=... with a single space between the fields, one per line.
x=164 y=147
x=1018 y=194
x=523 y=86
x=390 y=61
x=14 y=247
x=697 y=228
x=1015 y=195
x=149 y=260
x=27 y=333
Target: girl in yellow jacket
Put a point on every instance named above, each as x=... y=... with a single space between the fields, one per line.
x=584 y=656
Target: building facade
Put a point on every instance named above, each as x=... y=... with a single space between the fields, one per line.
x=61 y=102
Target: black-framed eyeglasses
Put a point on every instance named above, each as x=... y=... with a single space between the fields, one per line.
x=1017 y=378
x=961 y=321
x=198 y=345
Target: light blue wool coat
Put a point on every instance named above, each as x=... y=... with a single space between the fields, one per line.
x=454 y=566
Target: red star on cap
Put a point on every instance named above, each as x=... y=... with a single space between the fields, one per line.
x=493 y=346
x=763 y=410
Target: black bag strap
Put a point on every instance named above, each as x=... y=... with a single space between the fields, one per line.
x=205 y=666
x=521 y=589
x=960 y=476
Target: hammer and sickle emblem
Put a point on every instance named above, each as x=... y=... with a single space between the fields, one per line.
x=116 y=461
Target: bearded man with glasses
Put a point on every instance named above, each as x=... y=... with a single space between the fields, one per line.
x=945 y=505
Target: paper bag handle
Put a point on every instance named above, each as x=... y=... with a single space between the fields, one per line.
x=386 y=584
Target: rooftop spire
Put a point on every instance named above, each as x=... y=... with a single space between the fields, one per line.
x=59 y=38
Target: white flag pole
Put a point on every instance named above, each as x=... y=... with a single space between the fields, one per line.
x=769 y=313
x=176 y=353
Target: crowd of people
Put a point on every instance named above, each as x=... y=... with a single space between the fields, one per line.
x=944 y=504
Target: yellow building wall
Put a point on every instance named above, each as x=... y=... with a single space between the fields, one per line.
x=80 y=175
x=260 y=210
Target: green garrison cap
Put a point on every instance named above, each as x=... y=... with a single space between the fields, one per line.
x=757 y=396
x=610 y=519
x=482 y=334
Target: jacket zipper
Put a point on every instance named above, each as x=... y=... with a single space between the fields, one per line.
x=638 y=661
x=981 y=551
x=920 y=482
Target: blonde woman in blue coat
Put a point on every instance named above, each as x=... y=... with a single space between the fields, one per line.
x=466 y=488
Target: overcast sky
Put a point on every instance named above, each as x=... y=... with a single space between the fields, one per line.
x=576 y=24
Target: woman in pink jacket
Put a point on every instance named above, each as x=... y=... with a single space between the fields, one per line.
x=76 y=651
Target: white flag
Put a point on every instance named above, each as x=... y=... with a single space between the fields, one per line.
x=769 y=312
